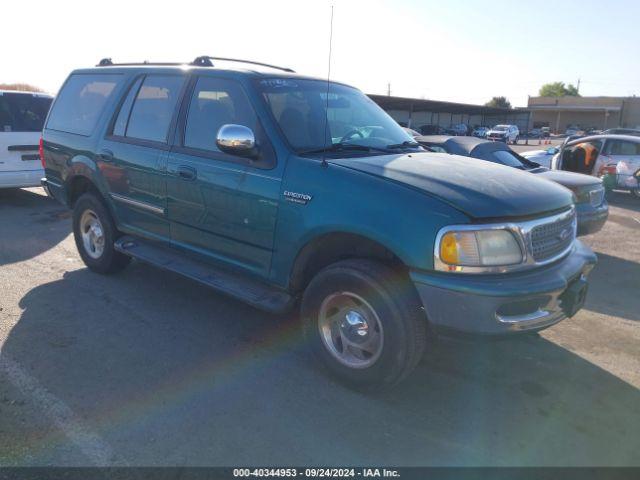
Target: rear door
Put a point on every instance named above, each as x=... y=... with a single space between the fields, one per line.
x=221 y=206
x=133 y=155
x=22 y=117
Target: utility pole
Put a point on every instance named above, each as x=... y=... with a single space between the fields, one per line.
x=578 y=87
x=388 y=89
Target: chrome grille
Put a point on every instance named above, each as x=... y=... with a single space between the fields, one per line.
x=551 y=239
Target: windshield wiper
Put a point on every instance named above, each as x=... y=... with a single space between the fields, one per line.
x=342 y=147
x=405 y=144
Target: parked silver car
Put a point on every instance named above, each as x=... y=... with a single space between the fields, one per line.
x=616 y=158
x=504 y=133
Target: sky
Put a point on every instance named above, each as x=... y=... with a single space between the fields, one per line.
x=464 y=51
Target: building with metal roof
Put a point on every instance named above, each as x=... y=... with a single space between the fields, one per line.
x=600 y=113
x=415 y=112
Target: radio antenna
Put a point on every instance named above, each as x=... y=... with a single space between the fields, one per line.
x=326 y=109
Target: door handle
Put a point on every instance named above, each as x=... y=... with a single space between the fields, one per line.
x=106 y=155
x=187 y=173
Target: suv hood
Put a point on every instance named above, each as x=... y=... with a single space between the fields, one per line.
x=479 y=189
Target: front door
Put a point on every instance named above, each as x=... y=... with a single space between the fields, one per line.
x=220 y=206
x=132 y=157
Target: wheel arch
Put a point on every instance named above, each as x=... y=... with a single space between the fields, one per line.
x=77 y=185
x=331 y=247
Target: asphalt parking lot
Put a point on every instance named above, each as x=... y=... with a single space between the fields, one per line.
x=148 y=368
x=536 y=144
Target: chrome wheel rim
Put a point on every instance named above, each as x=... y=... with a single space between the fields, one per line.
x=92 y=234
x=350 y=329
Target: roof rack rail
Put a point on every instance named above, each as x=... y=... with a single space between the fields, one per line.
x=205 y=61
x=107 y=62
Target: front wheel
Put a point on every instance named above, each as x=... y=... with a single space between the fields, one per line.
x=636 y=192
x=95 y=233
x=364 y=322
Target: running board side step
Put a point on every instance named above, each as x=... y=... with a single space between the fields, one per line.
x=247 y=290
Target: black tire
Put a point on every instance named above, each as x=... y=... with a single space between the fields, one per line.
x=636 y=192
x=110 y=260
x=396 y=305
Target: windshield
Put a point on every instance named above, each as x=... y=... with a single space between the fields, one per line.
x=510 y=159
x=500 y=128
x=301 y=106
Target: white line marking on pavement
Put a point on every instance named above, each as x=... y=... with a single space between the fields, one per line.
x=636 y=219
x=89 y=443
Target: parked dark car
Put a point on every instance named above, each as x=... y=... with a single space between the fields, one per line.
x=432 y=130
x=589 y=192
x=534 y=133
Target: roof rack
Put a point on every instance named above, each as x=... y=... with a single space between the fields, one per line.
x=203 y=61
x=106 y=62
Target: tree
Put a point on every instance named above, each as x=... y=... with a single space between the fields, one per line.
x=558 y=89
x=498 y=102
x=21 y=87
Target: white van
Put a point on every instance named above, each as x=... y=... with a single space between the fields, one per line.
x=22 y=116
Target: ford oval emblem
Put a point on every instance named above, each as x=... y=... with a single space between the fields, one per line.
x=564 y=234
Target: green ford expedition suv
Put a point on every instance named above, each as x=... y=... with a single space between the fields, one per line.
x=291 y=192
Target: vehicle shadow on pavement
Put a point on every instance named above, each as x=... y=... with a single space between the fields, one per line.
x=31 y=223
x=167 y=372
x=614 y=287
x=624 y=200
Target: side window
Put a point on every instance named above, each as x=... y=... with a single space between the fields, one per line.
x=81 y=101
x=214 y=103
x=622 y=147
x=120 y=125
x=153 y=107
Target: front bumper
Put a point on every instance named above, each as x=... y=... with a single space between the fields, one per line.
x=509 y=303
x=591 y=219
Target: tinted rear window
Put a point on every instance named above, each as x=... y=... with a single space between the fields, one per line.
x=21 y=112
x=80 y=102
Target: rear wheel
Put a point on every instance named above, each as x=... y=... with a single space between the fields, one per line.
x=364 y=322
x=95 y=233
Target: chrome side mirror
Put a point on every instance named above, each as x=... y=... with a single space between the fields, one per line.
x=237 y=140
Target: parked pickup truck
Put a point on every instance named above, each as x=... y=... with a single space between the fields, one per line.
x=289 y=192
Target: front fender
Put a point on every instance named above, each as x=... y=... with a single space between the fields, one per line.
x=343 y=200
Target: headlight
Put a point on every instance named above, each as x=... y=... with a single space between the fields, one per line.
x=457 y=249
x=593 y=195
